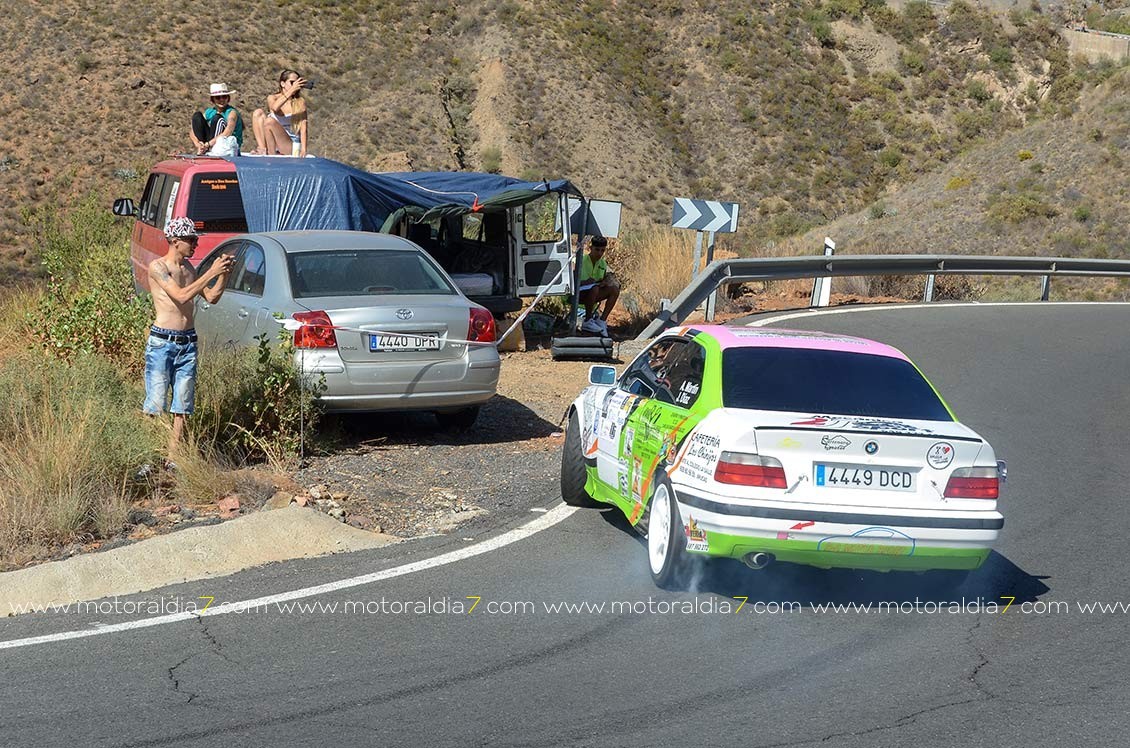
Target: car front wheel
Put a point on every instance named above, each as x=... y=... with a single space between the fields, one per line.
x=573 y=472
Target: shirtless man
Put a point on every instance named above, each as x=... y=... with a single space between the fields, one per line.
x=170 y=354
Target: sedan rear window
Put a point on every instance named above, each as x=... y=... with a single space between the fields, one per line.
x=835 y=382
x=364 y=273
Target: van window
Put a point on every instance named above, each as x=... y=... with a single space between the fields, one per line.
x=164 y=205
x=215 y=203
x=540 y=220
x=151 y=198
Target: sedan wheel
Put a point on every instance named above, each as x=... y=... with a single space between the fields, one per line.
x=666 y=542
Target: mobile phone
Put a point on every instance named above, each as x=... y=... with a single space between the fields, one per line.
x=309 y=83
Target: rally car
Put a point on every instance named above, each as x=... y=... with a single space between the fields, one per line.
x=804 y=447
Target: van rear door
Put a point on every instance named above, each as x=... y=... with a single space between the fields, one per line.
x=543 y=248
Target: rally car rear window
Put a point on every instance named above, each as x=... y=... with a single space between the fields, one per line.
x=837 y=382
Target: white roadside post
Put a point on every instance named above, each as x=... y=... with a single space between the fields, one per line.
x=707 y=216
x=822 y=287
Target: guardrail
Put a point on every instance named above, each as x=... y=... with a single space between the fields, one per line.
x=722 y=272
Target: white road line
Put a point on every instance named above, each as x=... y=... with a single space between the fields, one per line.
x=544 y=522
x=929 y=305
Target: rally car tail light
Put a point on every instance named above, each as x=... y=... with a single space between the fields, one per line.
x=480 y=326
x=316 y=332
x=973 y=483
x=743 y=469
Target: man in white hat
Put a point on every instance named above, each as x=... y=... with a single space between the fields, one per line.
x=218 y=122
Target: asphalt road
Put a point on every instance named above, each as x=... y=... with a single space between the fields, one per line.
x=1045 y=384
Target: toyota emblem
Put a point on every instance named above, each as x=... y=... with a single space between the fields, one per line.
x=404 y=314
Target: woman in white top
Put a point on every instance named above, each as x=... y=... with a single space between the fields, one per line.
x=283 y=126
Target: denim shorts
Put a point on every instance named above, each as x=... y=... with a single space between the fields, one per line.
x=170 y=363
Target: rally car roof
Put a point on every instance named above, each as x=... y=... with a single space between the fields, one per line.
x=762 y=337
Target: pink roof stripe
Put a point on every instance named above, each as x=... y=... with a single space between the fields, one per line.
x=770 y=337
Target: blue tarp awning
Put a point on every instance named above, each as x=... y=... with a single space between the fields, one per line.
x=282 y=194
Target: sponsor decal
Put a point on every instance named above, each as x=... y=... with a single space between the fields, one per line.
x=637 y=478
x=871 y=447
x=877 y=541
x=667 y=449
x=940 y=455
x=696 y=537
x=622 y=483
x=629 y=440
x=861 y=424
x=837 y=443
x=789 y=443
x=700 y=457
x=802 y=525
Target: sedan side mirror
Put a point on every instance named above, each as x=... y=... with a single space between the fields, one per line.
x=602 y=375
x=123 y=206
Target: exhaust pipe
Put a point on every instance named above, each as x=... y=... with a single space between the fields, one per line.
x=758 y=560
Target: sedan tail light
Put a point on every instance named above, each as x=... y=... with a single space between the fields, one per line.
x=480 y=326
x=750 y=470
x=973 y=483
x=316 y=332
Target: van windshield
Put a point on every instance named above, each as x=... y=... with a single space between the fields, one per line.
x=215 y=203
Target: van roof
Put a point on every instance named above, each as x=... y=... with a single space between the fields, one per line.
x=178 y=165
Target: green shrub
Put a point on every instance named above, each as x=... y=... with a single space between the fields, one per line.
x=958 y=183
x=1082 y=213
x=1020 y=206
x=253 y=404
x=492 y=159
x=90 y=305
x=1024 y=155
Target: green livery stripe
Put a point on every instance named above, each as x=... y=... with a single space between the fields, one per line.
x=832 y=554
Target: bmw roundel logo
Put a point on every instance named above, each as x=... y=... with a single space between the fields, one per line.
x=404 y=314
x=871 y=447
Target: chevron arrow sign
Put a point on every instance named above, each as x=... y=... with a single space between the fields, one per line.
x=705 y=215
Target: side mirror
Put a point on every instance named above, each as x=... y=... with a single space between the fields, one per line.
x=602 y=375
x=123 y=206
x=1002 y=471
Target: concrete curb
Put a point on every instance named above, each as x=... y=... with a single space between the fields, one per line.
x=183 y=556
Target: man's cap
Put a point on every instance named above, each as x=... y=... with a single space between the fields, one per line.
x=180 y=228
x=220 y=89
x=599 y=242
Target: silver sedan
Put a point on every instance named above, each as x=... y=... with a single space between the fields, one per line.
x=380 y=320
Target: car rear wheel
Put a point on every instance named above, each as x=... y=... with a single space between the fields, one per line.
x=460 y=419
x=573 y=472
x=666 y=543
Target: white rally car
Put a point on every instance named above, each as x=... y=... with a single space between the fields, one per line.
x=763 y=445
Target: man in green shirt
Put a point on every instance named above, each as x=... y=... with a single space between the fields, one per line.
x=597 y=285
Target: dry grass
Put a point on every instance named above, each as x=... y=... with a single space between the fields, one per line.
x=202 y=473
x=653 y=263
x=15 y=332
x=68 y=450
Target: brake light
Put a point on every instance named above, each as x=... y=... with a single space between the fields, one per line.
x=316 y=332
x=973 y=483
x=480 y=326
x=742 y=469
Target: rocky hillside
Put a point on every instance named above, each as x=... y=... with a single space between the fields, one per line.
x=802 y=111
x=1054 y=188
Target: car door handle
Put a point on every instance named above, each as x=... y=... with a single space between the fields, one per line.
x=242 y=313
